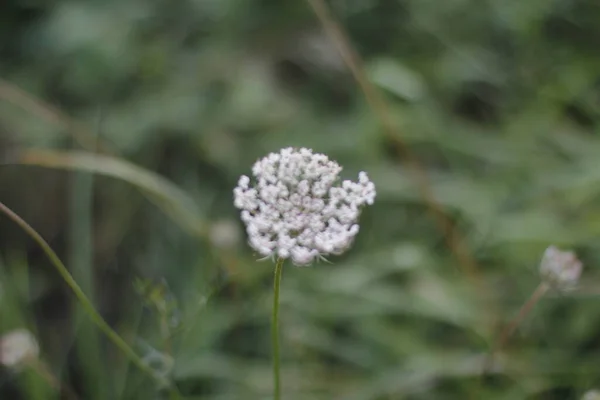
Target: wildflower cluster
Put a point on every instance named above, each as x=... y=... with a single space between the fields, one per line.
x=297 y=207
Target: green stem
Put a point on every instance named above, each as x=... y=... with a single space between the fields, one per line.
x=275 y=330
x=523 y=312
x=83 y=299
x=508 y=331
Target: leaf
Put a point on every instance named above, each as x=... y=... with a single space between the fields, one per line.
x=166 y=195
x=396 y=78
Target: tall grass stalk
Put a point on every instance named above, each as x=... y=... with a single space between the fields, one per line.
x=83 y=299
x=82 y=266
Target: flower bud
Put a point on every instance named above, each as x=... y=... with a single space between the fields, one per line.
x=17 y=347
x=225 y=234
x=591 y=395
x=560 y=269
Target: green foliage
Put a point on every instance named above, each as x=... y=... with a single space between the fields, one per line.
x=498 y=101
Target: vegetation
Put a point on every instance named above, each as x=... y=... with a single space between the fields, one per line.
x=125 y=125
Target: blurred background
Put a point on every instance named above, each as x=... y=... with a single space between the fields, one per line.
x=124 y=126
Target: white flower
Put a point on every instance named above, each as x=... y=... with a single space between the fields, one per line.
x=560 y=269
x=225 y=234
x=591 y=395
x=16 y=347
x=294 y=210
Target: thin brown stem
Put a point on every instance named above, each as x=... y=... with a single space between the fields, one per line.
x=512 y=326
x=377 y=103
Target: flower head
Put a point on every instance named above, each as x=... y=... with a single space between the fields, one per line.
x=591 y=395
x=560 y=269
x=17 y=347
x=297 y=208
